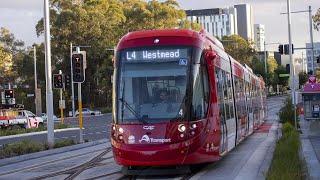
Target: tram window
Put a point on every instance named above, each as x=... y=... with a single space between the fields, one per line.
x=219 y=82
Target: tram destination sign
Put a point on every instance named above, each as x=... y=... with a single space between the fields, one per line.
x=156 y=55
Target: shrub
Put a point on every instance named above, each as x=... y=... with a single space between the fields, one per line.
x=62 y=143
x=286 y=113
x=286 y=162
x=19 y=148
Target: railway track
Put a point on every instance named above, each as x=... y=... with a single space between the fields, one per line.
x=75 y=171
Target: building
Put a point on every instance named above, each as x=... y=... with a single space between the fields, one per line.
x=316 y=47
x=217 y=22
x=245 y=21
x=259 y=37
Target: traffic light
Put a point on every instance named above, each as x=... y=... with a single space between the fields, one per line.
x=286 y=49
x=8 y=94
x=58 y=81
x=288 y=68
x=78 y=68
x=280 y=48
x=67 y=81
x=318 y=59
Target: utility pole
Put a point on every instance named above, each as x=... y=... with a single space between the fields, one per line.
x=292 y=73
x=72 y=85
x=49 y=94
x=311 y=40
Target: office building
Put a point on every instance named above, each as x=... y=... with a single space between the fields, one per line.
x=316 y=47
x=259 y=37
x=217 y=22
x=245 y=21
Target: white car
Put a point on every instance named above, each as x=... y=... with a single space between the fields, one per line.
x=88 y=112
x=45 y=117
x=26 y=119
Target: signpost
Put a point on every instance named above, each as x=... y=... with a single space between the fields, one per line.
x=78 y=76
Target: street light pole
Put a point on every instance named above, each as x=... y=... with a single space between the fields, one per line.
x=292 y=73
x=311 y=39
x=49 y=94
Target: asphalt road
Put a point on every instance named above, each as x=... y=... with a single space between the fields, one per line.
x=95 y=128
x=248 y=161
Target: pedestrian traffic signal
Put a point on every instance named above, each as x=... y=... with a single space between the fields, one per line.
x=58 y=81
x=280 y=48
x=318 y=59
x=8 y=94
x=67 y=81
x=78 y=67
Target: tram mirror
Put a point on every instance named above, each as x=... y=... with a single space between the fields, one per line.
x=210 y=55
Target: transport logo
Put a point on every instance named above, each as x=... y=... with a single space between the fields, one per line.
x=147 y=139
x=131 y=139
x=148 y=127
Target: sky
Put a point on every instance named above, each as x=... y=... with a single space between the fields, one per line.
x=21 y=16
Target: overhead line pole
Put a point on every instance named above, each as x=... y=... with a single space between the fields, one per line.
x=49 y=94
x=292 y=73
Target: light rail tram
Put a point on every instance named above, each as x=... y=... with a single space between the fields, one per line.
x=180 y=99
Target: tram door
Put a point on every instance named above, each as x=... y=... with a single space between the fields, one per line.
x=220 y=80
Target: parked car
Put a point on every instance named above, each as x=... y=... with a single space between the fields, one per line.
x=88 y=112
x=45 y=117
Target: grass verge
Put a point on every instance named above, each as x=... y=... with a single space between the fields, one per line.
x=286 y=162
x=28 y=146
x=19 y=130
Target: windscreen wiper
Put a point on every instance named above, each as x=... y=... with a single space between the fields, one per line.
x=133 y=111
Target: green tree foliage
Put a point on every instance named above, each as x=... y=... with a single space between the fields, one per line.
x=100 y=24
x=303 y=78
x=258 y=67
x=283 y=81
x=316 y=20
x=239 y=48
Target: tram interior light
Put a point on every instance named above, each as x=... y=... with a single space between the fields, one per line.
x=193 y=126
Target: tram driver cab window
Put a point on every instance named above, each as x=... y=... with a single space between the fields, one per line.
x=200 y=98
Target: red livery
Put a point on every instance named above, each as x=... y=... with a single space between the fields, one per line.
x=180 y=99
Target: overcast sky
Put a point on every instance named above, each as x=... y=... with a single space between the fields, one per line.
x=21 y=16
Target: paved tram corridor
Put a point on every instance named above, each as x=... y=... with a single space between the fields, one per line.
x=250 y=160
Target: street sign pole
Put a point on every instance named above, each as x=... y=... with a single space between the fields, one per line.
x=49 y=94
x=61 y=103
x=80 y=112
x=72 y=85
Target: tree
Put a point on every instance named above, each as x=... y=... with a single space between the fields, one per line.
x=303 y=78
x=316 y=20
x=100 y=24
x=239 y=48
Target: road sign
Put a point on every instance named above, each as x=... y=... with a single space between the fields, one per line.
x=30 y=95
x=62 y=104
x=284 y=75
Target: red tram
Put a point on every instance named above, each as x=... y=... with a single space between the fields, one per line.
x=180 y=99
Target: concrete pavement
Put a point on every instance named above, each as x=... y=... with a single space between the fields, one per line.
x=252 y=158
x=310 y=142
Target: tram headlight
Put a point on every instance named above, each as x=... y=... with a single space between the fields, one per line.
x=181 y=128
x=193 y=126
x=121 y=130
